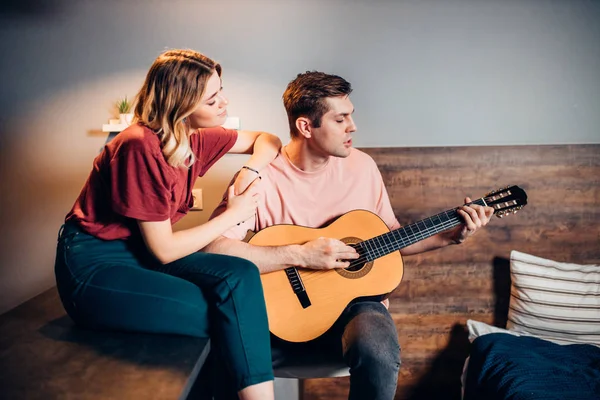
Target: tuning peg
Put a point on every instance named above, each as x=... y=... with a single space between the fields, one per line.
x=497 y=190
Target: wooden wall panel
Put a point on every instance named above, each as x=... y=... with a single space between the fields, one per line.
x=444 y=288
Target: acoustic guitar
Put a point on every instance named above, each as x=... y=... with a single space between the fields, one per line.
x=303 y=303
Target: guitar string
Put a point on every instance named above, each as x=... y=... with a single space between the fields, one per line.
x=444 y=225
x=409 y=238
x=420 y=235
x=452 y=220
x=389 y=248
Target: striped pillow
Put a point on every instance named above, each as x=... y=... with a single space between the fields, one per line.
x=553 y=300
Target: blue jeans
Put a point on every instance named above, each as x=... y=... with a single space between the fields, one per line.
x=365 y=339
x=119 y=285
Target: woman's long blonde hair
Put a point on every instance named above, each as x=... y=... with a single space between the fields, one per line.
x=173 y=89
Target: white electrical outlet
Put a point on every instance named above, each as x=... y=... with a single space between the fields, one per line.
x=232 y=123
x=197 y=195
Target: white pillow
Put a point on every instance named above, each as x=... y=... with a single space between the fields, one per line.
x=553 y=300
x=477 y=328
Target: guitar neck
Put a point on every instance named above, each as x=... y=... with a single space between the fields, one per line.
x=403 y=237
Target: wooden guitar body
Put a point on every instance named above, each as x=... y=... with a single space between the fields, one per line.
x=329 y=291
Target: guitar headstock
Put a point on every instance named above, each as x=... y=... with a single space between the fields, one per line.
x=507 y=200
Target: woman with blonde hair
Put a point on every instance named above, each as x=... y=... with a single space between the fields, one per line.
x=120 y=265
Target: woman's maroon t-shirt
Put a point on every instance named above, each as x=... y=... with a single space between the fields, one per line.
x=131 y=180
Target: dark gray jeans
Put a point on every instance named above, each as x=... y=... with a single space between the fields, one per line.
x=365 y=338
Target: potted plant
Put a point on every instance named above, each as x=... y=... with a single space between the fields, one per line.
x=125 y=114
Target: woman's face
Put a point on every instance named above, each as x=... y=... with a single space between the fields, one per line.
x=212 y=109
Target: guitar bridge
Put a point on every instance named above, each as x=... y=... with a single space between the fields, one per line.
x=298 y=286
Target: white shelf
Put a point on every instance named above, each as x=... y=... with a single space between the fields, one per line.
x=230 y=123
x=113 y=127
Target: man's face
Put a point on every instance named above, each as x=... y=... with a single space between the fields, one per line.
x=334 y=136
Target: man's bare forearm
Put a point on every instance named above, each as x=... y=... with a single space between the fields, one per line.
x=267 y=258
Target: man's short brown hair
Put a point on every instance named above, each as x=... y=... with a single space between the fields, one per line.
x=305 y=96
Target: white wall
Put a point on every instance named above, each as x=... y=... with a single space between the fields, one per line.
x=425 y=73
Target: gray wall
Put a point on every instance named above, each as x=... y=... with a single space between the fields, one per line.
x=425 y=73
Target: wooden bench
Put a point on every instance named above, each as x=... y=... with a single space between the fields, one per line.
x=43 y=355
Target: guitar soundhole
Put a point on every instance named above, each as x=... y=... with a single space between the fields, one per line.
x=356 y=269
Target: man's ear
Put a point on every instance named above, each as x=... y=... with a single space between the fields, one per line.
x=304 y=127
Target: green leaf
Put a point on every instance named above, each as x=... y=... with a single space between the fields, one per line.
x=123 y=105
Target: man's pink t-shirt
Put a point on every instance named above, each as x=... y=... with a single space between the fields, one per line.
x=314 y=199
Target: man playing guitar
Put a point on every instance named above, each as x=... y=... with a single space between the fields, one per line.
x=317 y=177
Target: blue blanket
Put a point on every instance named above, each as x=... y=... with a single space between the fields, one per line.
x=508 y=367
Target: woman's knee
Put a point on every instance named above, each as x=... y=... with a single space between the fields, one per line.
x=242 y=271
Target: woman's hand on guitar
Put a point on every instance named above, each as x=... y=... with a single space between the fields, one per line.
x=474 y=217
x=327 y=253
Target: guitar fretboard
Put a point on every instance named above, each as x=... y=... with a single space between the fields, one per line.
x=379 y=246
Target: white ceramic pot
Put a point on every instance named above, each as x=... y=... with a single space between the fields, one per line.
x=126 y=118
